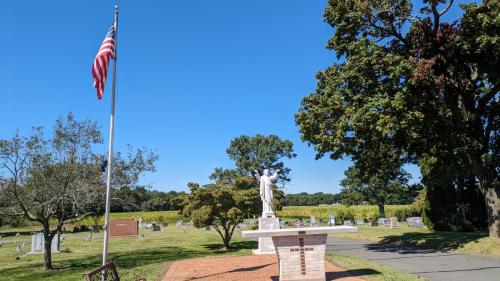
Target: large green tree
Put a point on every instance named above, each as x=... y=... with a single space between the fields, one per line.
x=222 y=207
x=385 y=187
x=424 y=86
x=256 y=153
x=52 y=181
x=58 y=180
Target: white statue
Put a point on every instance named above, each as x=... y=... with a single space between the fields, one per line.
x=266 y=191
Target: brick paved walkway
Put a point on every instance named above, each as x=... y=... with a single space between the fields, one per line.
x=246 y=268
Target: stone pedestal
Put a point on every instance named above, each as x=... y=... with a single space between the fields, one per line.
x=301 y=251
x=266 y=246
x=301 y=257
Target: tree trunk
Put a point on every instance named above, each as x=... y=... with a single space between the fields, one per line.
x=226 y=242
x=488 y=181
x=227 y=238
x=48 y=251
x=492 y=199
x=381 y=210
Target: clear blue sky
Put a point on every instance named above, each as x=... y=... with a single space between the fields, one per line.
x=192 y=75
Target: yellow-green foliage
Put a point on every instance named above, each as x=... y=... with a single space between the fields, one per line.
x=344 y=212
x=164 y=217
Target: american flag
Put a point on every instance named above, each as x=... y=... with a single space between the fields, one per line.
x=101 y=61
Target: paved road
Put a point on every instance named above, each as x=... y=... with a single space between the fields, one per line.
x=429 y=264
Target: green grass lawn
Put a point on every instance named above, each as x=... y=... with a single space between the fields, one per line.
x=467 y=242
x=145 y=256
x=148 y=255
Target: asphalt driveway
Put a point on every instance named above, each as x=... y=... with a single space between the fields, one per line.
x=430 y=264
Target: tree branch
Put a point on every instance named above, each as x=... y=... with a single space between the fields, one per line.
x=488 y=96
x=436 y=16
x=446 y=8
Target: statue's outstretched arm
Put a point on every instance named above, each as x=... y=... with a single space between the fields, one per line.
x=257 y=175
x=275 y=175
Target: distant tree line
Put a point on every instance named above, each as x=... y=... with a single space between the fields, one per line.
x=143 y=199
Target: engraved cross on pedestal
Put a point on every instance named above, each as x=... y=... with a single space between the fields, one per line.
x=302 y=251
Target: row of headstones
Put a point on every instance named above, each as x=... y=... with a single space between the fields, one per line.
x=393 y=222
x=37 y=244
x=387 y=222
x=153 y=225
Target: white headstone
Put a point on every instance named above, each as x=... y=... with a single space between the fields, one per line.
x=331 y=220
x=415 y=222
x=348 y=223
x=55 y=244
x=393 y=222
x=37 y=244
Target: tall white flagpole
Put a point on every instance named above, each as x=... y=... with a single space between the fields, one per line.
x=110 y=148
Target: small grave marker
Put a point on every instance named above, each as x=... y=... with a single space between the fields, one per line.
x=331 y=220
x=38 y=241
x=360 y=222
x=348 y=223
x=415 y=222
x=393 y=222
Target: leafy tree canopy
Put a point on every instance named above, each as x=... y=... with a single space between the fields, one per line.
x=221 y=207
x=256 y=153
x=411 y=83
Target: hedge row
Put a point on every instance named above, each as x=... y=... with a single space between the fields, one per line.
x=345 y=212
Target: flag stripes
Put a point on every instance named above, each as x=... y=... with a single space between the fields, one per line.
x=101 y=61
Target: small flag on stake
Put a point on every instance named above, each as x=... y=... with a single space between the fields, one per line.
x=101 y=61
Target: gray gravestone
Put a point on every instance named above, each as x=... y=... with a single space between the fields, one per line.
x=382 y=221
x=360 y=221
x=331 y=220
x=393 y=222
x=415 y=222
x=37 y=244
x=348 y=223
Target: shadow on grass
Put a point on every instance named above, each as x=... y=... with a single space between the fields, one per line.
x=123 y=261
x=417 y=242
x=361 y=272
x=235 y=247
